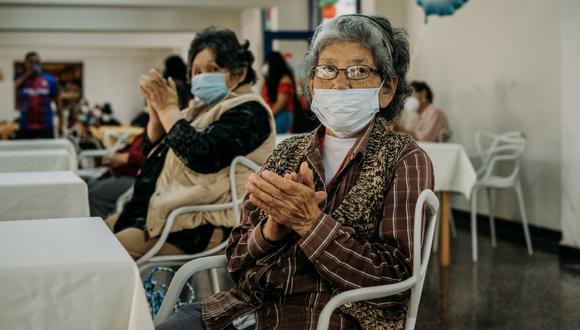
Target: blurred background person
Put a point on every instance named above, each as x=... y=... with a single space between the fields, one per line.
x=176 y=69
x=35 y=91
x=424 y=121
x=107 y=118
x=123 y=167
x=279 y=91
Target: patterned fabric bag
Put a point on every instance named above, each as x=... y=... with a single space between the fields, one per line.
x=155 y=290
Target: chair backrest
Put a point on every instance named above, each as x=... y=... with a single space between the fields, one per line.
x=507 y=149
x=234 y=204
x=487 y=143
x=420 y=262
x=444 y=135
x=421 y=255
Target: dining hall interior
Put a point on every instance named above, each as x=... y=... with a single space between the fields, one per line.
x=306 y=164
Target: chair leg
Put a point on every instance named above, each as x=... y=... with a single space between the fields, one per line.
x=214 y=279
x=452 y=224
x=491 y=204
x=436 y=238
x=520 y=196
x=474 y=224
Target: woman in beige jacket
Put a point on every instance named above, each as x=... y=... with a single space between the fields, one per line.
x=190 y=150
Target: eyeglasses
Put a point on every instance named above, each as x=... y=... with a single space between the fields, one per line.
x=352 y=72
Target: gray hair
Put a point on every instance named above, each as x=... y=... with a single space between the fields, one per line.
x=389 y=46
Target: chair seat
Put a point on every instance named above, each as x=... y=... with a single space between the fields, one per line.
x=496 y=182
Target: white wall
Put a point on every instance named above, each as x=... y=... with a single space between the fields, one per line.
x=112 y=63
x=570 y=23
x=495 y=65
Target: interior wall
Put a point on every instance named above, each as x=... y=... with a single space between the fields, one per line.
x=112 y=63
x=494 y=65
x=570 y=12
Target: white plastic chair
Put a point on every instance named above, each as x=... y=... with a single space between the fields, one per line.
x=151 y=258
x=506 y=148
x=415 y=282
x=486 y=142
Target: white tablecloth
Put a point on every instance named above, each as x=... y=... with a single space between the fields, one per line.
x=42 y=144
x=42 y=195
x=35 y=160
x=453 y=169
x=68 y=274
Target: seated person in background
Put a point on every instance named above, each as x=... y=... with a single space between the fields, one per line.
x=106 y=118
x=123 y=167
x=331 y=210
x=80 y=133
x=190 y=151
x=279 y=91
x=425 y=122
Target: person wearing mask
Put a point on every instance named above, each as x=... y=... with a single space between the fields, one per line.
x=425 y=122
x=331 y=210
x=123 y=167
x=35 y=92
x=279 y=91
x=189 y=152
x=107 y=118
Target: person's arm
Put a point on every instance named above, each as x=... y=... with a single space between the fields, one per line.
x=55 y=95
x=350 y=263
x=237 y=132
x=283 y=95
x=155 y=130
x=136 y=155
x=430 y=130
x=20 y=80
x=249 y=241
x=59 y=113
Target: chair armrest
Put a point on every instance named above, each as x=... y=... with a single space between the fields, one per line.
x=169 y=224
x=96 y=153
x=181 y=277
x=355 y=295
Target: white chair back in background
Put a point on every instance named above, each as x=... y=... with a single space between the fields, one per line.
x=505 y=149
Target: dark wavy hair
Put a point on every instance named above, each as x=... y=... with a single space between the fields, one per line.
x=389 y=45
x=175 y=68
x=277 y=68
x=229 y=53
x=419 y=86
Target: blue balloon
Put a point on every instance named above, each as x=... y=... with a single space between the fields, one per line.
x=440 y=7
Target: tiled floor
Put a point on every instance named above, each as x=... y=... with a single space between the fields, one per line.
x=506 y=289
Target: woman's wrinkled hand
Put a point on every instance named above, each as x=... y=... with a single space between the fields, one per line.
x=289 y=203
x=161 y=94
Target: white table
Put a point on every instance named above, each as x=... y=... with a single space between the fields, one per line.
x=453 y=173
x=42 y=195
x=36 y=160
x=68 y=274
x=42 y=144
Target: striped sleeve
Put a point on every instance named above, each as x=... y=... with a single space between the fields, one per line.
x=350 y=263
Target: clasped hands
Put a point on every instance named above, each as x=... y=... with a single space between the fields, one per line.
x=161 y=94
x=290 y=201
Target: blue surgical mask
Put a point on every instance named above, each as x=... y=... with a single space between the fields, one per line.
x=209 y=87
x=346 y=111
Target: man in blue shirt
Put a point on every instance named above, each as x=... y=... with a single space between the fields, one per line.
x=36 y=91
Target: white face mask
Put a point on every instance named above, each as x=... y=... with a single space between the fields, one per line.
x=346 y=111
x=412 y=104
